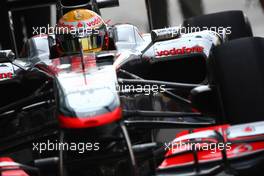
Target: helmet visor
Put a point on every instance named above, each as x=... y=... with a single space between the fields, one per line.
x=91 y=43
x=73 y=44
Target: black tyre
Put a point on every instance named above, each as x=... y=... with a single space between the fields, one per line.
x=238 y=69
x=235 y=23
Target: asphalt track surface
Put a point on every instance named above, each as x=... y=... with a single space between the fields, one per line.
x=134 y=12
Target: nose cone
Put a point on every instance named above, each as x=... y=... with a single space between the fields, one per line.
x=88 y=99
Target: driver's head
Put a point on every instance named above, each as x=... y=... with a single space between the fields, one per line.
x=81 y=29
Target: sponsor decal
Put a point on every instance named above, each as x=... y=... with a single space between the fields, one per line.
x=94 y=21
x=249 y=129
x=8 y=75
x=91 y=23
x=179 y=51
x=6 y=71
x=243 y=148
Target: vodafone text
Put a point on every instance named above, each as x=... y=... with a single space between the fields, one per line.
x=179 y=51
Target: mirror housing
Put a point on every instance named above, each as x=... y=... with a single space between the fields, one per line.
x=164 y=34
x=7 y=56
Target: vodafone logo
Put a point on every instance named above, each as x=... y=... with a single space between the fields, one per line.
x=95 y=21
x=180 y=51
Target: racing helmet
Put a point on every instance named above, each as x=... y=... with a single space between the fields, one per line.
x=81 y=29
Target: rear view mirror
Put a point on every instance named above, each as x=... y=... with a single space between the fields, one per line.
x=7 y=56
x=164 y=34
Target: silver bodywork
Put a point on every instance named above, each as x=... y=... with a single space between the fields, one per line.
x=246 y=130
x=132 y=45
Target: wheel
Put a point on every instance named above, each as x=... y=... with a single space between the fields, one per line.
x=235 y=22
x=238 y=73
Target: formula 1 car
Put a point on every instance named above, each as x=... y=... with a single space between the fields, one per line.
x=107 y=109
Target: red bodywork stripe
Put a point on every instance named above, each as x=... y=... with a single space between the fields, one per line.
x=15 y=172
x=88 y=122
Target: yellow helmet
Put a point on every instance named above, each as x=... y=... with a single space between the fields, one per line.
x=81 y=29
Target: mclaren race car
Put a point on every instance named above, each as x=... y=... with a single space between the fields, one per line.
x=109 y=112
